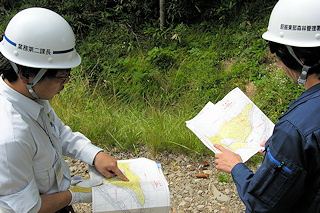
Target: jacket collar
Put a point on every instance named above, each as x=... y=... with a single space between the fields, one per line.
x=312 y=92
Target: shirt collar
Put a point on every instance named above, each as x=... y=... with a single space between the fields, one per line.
x=20 y=101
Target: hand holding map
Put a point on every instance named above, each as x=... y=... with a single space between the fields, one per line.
x=235 y=122
x=226 y=160
x=146 y=191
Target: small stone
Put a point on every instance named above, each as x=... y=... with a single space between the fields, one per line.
x=73 y=169
x=207 y=172
x=207 y=209
x=200 y=207
x=171 y=175
x=182 y=203
x=188 y=199
x=217 y=194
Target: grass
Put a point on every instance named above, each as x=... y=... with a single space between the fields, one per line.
x=109 y=122
x=224 y=177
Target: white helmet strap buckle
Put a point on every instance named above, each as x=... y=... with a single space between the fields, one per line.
x=303 y=77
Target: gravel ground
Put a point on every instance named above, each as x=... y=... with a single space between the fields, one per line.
x=188 y=193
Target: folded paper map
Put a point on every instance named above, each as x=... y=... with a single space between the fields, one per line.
x=146 y=191
x=235 y=122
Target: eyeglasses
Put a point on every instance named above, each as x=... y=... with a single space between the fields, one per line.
x=63 y=80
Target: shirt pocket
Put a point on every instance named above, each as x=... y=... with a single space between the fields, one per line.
x=276 y=179
x=44 y=173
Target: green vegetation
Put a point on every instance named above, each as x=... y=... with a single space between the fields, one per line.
x=224 y=177
x=138 y=84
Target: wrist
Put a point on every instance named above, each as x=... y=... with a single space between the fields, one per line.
x=94 y=160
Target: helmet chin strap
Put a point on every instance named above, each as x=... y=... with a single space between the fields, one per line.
x=303 y=77
x=35 y=80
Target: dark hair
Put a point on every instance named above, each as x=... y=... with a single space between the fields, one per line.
x=309 y=55
x=9 y=73
x=6 y=69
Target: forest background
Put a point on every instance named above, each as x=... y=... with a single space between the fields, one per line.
x=144 y=73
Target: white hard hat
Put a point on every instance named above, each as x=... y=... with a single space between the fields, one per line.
x=40 y=38
x=295 y=23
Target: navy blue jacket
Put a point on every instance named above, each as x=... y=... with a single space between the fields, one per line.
x=289 y=177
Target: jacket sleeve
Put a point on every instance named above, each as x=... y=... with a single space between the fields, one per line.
x=279 y=182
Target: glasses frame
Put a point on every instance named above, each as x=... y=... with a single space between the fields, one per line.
x=63 y=80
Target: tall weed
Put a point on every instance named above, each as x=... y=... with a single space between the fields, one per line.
x=109 y=123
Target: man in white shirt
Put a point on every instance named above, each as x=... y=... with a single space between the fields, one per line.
x=38 y=52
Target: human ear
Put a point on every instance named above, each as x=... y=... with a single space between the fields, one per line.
x=25 y=78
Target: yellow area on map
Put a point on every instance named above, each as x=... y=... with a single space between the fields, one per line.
x=233 y=134
x=133 y=183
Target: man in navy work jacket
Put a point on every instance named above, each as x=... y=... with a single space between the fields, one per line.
x=289 y=177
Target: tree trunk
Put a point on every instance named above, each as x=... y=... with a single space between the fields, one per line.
x=162 y=13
